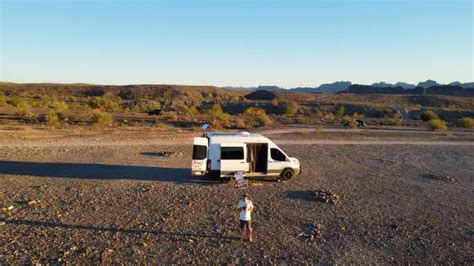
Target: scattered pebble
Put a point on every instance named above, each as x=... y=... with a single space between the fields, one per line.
x=9 y=208
x=32 y=202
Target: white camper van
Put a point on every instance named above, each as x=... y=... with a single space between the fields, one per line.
x=220 y=155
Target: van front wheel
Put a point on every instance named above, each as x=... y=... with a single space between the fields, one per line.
x=287 y=174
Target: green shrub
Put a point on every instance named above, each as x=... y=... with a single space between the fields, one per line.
x=191 y=110
x=466 y=122
x=437 y=125
x=346 y=119
x=356 y=115
x=53 y=119
x=3 y=99
x=257 y=117
x=59 y=106
x=17 y=102
x=217 y=117
x=216 y=110
x=340 y=111
x=428 y=116
x=26 y=115
x=101 y=118
x=353 y=124
x=327 y=116
x=240 y=123
x=104 y=104
x=391 y=122
x=171 y=116
x=291 y=108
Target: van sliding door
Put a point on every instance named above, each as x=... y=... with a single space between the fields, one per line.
x=232 y=158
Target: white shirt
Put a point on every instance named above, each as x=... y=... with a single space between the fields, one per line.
x=246 y=214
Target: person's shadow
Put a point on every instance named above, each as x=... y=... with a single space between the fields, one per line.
x=101 y=171
x=176 y=236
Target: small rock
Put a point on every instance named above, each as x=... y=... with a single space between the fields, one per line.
x=2 y=223
x=32 y=202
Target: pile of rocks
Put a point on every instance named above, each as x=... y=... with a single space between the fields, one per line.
x=312 y=232
x=326 y=196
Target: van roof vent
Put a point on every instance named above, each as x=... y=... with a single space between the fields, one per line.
x=245 y=133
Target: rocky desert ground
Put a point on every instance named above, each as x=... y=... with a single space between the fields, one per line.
x=83 y=196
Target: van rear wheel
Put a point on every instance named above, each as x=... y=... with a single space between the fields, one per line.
x=287 y=174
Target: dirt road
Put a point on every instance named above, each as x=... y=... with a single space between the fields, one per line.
x=112 y=198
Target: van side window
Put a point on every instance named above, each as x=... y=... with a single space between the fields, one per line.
x=199 y=152
x=232 y=153
x=277 y=155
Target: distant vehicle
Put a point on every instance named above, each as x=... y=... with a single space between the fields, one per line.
x=221 y=155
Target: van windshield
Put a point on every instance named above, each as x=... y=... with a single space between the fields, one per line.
x=199 y=152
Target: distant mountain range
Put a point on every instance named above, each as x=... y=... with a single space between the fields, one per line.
x=340 y=86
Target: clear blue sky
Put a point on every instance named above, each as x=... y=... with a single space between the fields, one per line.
x=236 y=42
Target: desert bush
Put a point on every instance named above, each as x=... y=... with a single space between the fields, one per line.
x=356 y=115
x=215 y=110
x=428 y=116
x=340 y=111
x=171 y=116
x=437 y=125
x=26 y=115
x=217 y=117
x=466 y=122
x=3 y=98
x=59 y=106
x=190 y=110
x=391 y=122
x=240 y=123
x=256 y=116
x=104 y=103
x=53 y=119
x=352 y=124
x=41 y=101
x=142 y=105
x=17 y=102
x=324 y=116
x=291 y=108
x=101 y=118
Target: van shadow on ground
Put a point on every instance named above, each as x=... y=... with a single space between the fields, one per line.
x=176 y=236
x=101 y=171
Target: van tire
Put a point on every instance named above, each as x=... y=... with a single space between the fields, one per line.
x=287 y=174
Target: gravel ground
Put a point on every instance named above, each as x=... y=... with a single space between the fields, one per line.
x=78 y=202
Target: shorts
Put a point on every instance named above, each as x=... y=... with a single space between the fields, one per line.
x=244 y=224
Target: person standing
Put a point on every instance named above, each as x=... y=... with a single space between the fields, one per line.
x=245 y=208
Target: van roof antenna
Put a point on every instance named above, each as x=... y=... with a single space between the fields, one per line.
x=204 y=128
